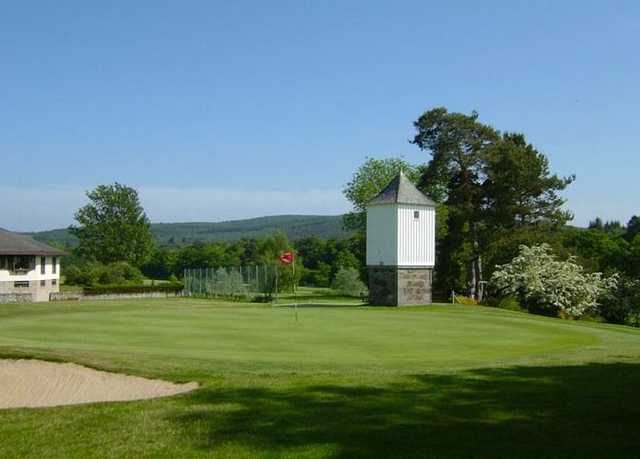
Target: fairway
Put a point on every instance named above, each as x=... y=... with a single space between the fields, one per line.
x=339 y=382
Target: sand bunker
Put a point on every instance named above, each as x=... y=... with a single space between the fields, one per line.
x=34 y=383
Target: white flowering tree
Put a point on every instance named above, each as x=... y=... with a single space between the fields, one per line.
x=545 y=284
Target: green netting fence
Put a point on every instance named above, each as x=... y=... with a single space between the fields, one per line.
x=230 y=282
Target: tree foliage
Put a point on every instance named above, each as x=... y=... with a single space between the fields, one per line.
x=113 y=226
x=518 y=187
x=323 y=258
x=370 y=178
x=633 y=228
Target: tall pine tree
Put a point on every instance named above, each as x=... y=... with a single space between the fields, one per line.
x=491 y=184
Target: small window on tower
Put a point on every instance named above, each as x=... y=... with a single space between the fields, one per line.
x=416 y=214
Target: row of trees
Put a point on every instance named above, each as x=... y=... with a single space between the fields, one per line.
x=318 y=260
x=116 y=244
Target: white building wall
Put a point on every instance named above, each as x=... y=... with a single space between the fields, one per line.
x=35 y=278
x=382 y=235
x=416 y=236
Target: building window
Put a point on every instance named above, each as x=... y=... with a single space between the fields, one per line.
x=416 y=214
x=3 y=262
x=24 y=263
x=43 y=283
x=54 y=263
x=43 y=265
x=54 y=282
x=7 y=262
x=21 y=284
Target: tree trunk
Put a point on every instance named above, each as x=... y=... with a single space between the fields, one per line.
x=476 y=286
x=472 y=278
x=480 y=279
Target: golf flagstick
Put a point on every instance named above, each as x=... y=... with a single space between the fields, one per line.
x=289 y=258
x=295 y=290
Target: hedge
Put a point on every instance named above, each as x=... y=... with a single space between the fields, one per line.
x=113 y=289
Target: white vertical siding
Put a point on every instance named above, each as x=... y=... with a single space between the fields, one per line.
x=416 y=236
x=382 y=235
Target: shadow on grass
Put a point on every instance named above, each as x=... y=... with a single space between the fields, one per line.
x=581 y=411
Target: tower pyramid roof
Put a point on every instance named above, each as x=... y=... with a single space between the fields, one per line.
x=401 y=191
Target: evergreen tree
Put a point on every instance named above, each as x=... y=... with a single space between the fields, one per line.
x=454 y=175
x=493 y=185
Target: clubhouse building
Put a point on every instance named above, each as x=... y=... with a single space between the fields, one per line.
x=29 y=270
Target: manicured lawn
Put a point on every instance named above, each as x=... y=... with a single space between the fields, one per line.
x=436 y=381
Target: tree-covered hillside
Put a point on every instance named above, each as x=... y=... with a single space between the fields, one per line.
x=295 y=226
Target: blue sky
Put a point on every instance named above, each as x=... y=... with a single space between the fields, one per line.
x=222 y=110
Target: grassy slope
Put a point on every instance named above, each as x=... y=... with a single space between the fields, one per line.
x=441 y=380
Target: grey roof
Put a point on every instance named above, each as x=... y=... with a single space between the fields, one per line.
x=19 y=244
x=401 y=191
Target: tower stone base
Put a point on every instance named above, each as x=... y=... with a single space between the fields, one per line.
x=399 y=286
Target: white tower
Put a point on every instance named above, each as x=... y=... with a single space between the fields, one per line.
x=401 y=244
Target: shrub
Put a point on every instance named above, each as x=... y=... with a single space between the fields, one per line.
x=348 y=283
x=545 y=285
x=221 y=285
x=120 y=273
x=510 y=303
x=621 y=305
x=72 y=275
x=84 y=274
x=91 y=273
x=466 y=300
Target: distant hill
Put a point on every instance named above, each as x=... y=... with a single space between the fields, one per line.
x=296 y=227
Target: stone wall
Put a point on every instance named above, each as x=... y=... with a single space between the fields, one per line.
x=62 y=296
x=398 y=286
x=14 y=298
x=112 y=296
x=414 y=286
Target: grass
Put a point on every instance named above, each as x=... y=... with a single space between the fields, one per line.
x=317 y=296
x=436 y=381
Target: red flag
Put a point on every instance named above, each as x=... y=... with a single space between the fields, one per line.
x=286 y=257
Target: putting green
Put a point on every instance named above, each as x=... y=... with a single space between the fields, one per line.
x=184 y=334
